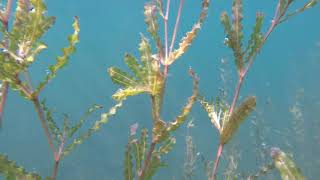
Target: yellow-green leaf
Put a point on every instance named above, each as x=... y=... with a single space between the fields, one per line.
x=122 y=94
x=122 y=78
x=187 y=40
x=285 y=165
x=187 y=108
x=64 y=59
x=230 y=126
x=11 y=171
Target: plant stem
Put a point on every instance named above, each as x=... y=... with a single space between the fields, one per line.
x=176 y=26
x=147 y=161
x=165 y=19
x=4 y=94
x=5 y=19
x=5 y=88
x=234 y=102
x=57 y=157
x=42 y=119
x=55 y=170
x=216 y=163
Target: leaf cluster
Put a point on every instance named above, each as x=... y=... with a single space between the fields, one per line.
x=227 y=124
x=68 y=131
x=22 y=44
x=136 y=154
x=285 y=165
x=234 y=30
x=10 y=170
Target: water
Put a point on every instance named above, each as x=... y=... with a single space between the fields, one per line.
x=288 y=64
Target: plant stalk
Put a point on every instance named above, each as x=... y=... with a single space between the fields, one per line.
x=176 y=26
x=234 y=102
x=5 y=85
x=4 y=91
x=165 y=19
x=147 y=161
x=42 y=119
x=55 y=170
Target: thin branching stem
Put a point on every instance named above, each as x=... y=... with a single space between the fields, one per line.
x=57 y=157
x=165 y=19
x=176 y=26
x=42 y=119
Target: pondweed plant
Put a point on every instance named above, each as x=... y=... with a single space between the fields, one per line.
x=150 y=76
x=225 y=118
x=21 y=43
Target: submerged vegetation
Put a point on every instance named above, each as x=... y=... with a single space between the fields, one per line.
x=21 y=43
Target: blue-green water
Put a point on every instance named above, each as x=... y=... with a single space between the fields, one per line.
x=288 y=63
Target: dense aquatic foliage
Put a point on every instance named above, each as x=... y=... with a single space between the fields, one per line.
x=21 y=44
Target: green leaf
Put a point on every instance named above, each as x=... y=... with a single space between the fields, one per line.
x=225 y=21
x=10 y=170
x=64 y=59
x=306 y=6
x=285 y=165
x=122 y=78
x=217 y=112
x=256 y=37
x=96 y=127
x=128 y=172
x=154 y=165
x=134 y=66
x=28 y=28
x=236 y=118
x=190 y=36
x=147 y=76
x=143 y=144
x=83 y=119
x=167 y=146
x=151 y=20
x=237 y=34
x=159 y=131
x=187 y=108
x=122 y=94
x=140 y=149
x=53 y=127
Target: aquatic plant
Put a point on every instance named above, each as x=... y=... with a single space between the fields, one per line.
x=20 y=46
x=228 y=120
x=150 y=77
x=21 y=43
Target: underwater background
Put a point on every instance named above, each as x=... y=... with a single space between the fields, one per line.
x=284 y=78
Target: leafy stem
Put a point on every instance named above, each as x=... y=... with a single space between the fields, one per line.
x=5 y=86
x=279 y=14
x=147 y=161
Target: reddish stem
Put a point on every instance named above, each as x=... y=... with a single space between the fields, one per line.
x=165 y=19
x=176 y=26
x=57 y=157
x=216 y=163
x=4 y=91
x=147 y=161
x=40 y=112
x=234 y=102
x=5 y=88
